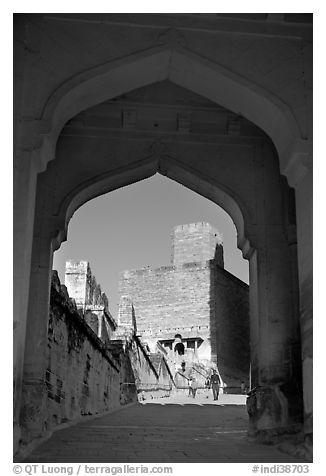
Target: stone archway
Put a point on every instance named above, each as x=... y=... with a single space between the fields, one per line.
x=158 y=162
x=185 y=68
x=197 y=74
x=46 y=98
x=62 y=189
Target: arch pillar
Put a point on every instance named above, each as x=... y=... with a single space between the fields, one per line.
x=35 y=360
x=32 y=411
x=274 y=402
x=304 y=197
x=300 y=176
x=25 y=180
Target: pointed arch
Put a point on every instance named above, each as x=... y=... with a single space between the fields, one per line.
x=145 y=168
x=184 y=68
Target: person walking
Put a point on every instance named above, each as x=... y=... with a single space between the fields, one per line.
x=194 y=386
x=215 y=384
x=207 y=386
x=190 y=387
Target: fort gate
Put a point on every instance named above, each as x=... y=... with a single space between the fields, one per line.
x=220 y=105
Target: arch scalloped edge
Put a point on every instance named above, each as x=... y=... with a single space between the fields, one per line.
x=144 y=168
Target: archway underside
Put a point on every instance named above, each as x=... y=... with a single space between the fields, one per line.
x=182 y=67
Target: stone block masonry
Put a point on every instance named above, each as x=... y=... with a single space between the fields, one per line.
x=170 y=299
x=82 y=377
x=86 y=375
x=83 y=288
x=196 y=298
x=235 y=165
x=196 y=242
x=146 y=372
x=149 y=371
x=232 y=326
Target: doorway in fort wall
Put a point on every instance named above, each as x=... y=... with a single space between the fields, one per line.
x=274 y=331
x=176 y=257
x=239 y=172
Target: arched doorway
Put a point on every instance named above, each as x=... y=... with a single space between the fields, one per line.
x=266 y=250
x=239 y=173
x=183 y=67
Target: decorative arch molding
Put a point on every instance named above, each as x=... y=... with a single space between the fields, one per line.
x=186 y=69
x=145 y=168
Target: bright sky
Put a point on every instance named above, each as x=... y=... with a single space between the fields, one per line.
x=131 y=228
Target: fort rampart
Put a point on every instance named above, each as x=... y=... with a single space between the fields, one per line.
x=87 y=375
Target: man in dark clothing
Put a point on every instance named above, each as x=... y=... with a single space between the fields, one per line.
x=215 y=384
x=194 y=386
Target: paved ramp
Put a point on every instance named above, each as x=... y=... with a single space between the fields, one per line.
x=175 y=430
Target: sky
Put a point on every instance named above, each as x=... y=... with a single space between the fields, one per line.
x=131 y=227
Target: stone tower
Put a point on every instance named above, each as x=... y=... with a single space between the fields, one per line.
x=76 y=280
x=196 y=242
x=193 y=297
x=82 y=286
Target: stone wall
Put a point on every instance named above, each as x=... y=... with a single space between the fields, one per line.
x=82 y=377
x=176 y=298
x=258 y=67
x=170 y=299
x=232 y=326
x=194 y=299
x=152 y=377
x=82 y=285
x=86 y=376
x=147 y=372
x=84 y=289
x=196 y=242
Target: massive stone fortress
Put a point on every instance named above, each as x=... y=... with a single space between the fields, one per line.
x=194 y=297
